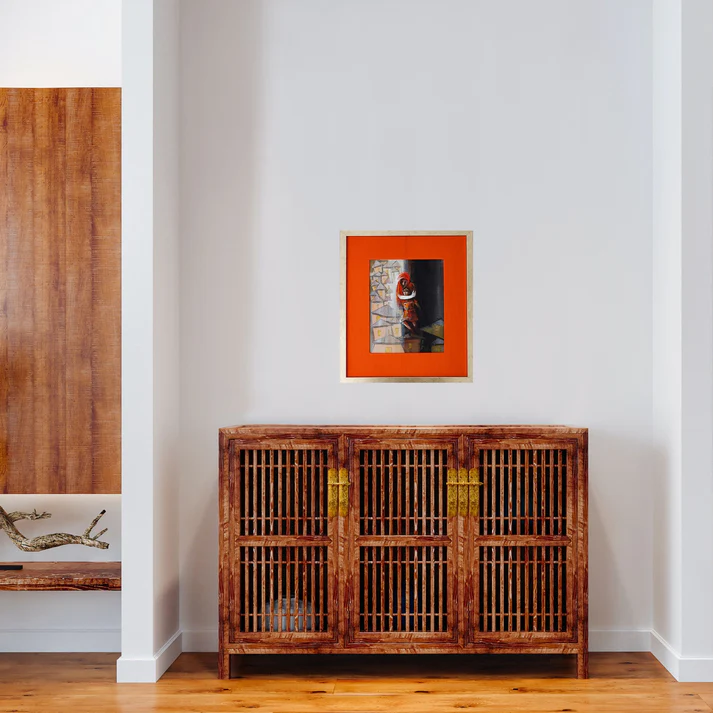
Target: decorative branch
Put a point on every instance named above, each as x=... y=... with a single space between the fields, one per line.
x=34 y=515
x=47 y=542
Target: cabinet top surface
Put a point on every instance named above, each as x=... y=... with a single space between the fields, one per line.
x=530 y=431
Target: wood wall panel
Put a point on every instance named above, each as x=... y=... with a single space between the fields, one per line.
x=60 y=290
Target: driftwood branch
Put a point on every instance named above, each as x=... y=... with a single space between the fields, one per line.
x=47 y=542
x=34 y=515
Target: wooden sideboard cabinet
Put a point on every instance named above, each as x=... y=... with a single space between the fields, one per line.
x=403 y=539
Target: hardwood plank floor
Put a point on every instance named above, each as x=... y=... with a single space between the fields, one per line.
x=59 y=683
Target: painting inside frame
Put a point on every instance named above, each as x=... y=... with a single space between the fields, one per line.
x=406 y=306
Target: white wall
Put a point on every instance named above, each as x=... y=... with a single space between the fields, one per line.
x=667 y=465
x=683 y=336
x=697 y=338
x=529 y=123
x=150 y=636
x=59 y=44
x=166 y=343
x=71 y=43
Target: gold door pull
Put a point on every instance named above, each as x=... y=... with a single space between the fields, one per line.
x=474 y=488
x=344 y=484
x=332 y=492
x=452 y=492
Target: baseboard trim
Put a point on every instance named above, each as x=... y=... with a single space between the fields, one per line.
x=60 y=640
x=686 y=669
x=666 y=654
x=149 y=669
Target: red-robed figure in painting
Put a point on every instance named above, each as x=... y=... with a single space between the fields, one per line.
x=406 y=299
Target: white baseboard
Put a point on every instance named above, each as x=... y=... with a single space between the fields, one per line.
x=203 y=640
x=619 y=640
x=149 y=669
x=665 y=653
x=60 y=640
x=686 y=669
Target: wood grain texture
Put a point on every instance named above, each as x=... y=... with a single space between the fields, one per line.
x=85 y=683
x=413 y=575
x=62 y=576
x=60 y=290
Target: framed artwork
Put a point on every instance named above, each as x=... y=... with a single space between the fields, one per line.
x=406 y=306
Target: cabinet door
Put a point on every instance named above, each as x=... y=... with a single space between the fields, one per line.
x=521 y=544
x=402 y=544
x=281 y=542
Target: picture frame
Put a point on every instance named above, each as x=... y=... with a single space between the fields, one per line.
x=406 y=306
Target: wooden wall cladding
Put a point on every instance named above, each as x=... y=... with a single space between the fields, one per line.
x=60 y=290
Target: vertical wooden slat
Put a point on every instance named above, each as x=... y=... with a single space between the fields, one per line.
x=501 y=485
x=270 y=473
x=277 y=512
x=391 y=530
x=423 y=460
x=398 y=489
x=410 y=513
x=313 y=592
x=526 y=552
x=543 y=588
x=325 y=612
x=536 y=481
x=245 y=512
x=296 y=493
x=508 y=485
x=559 y=467
x=256 y=605
x=376 y=623
x=245 y=580
x=422 y=578
x=260 y=468
x=529 y=521
x=559 y=589
x=398 y=605
x=518 y=486
x=491 y=488
x=313 y=526
x=375 y=492
x=433 y=514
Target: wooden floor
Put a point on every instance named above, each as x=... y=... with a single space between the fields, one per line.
x=84 y=683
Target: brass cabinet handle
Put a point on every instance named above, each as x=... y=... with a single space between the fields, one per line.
x=452 y=492
x=332 y=492
x=463 y=492
x=474 y=487
x=338 y=492
x=344 y=484
x=463 y=489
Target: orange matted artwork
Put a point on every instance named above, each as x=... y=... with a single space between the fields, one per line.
x=406 y=306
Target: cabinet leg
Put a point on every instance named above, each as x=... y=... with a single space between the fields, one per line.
x=223 y=665
x=583 y=664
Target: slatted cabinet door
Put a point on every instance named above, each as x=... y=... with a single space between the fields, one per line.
x=282 y=589
x=521 y=543
x=402 y=544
